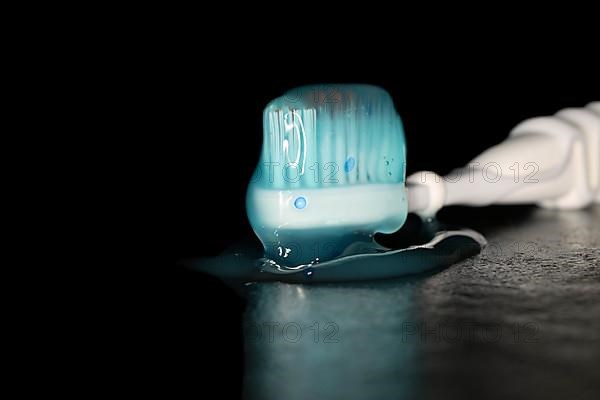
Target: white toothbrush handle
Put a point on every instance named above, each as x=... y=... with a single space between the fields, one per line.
x=550 y=161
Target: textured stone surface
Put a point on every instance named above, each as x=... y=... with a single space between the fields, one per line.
x=522 y=320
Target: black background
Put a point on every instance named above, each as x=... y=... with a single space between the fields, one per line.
x=208 y=113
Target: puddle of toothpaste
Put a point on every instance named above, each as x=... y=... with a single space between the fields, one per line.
x=431 y=247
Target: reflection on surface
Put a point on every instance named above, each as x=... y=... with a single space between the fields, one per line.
x=313 y=341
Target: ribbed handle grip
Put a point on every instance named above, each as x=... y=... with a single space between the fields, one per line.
x=550 y=161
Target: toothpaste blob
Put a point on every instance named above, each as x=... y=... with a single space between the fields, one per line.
x=330 y=175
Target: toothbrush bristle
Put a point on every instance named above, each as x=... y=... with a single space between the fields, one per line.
x=332 y=135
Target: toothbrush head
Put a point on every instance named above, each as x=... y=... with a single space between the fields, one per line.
x=331 y=172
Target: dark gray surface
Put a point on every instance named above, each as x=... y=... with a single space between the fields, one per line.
x=522 y=320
